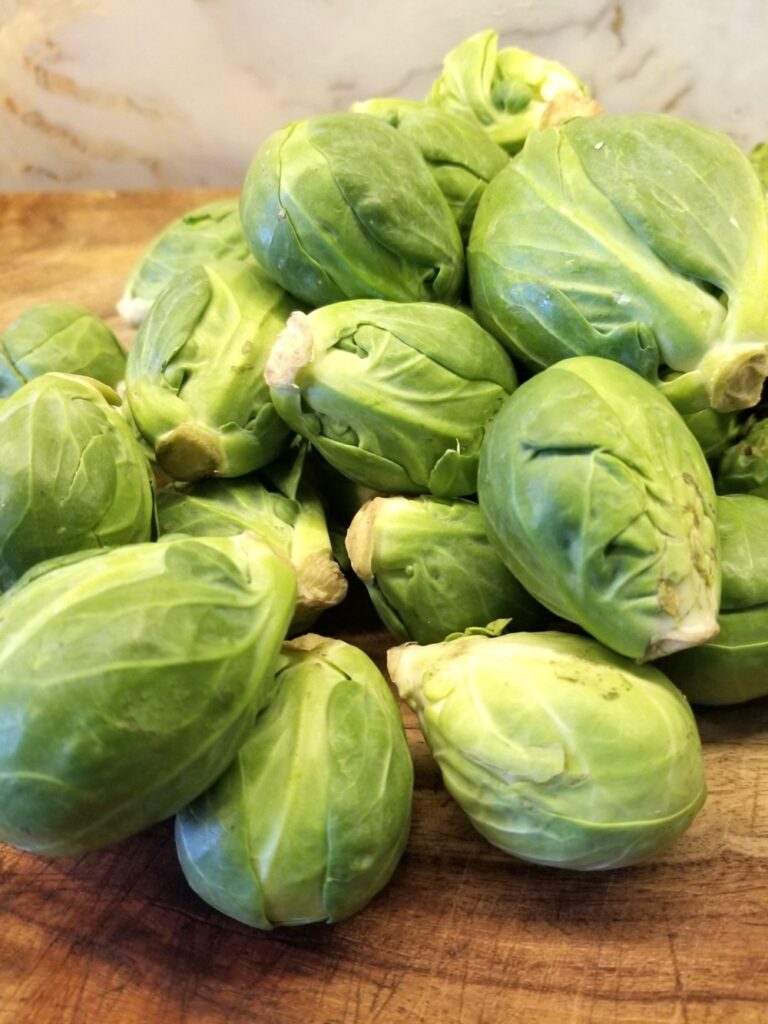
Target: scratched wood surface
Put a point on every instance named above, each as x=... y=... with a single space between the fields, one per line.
x=463 y=934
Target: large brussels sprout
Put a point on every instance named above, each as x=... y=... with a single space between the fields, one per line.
x=342 y=206
x=640 y=237
x=311 y=819
x=461 y=157
x=733 y=666
x=743 y=468
x=559 y=751
x=207 y=234
x=600 y=501
x=72 y=476
x=56 y=337
x=510 y=92
x=195 y=374
x=128 y=678
x=295 y=526
x=396 y=396
x=430 y=570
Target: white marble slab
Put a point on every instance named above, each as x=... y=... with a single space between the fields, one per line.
x=146 y=93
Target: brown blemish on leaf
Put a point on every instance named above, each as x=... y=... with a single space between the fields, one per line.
x=567 y=105
x=668 y=599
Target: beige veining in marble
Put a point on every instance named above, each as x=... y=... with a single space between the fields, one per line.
x=141 y=93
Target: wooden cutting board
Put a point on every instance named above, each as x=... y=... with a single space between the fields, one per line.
x=463 y=934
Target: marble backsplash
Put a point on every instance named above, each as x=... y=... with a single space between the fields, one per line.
x=151 y=93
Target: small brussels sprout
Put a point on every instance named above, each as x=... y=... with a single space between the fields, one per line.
x=71 y=474
x=733 y=666
x=430 y=570
x=207 y=234
x=296 y=527
x=342 y=206
x=311 y=819
x=461 y=157
x=510 y=92
x=743 y=468
x=395 y=396
x=56 y=337
x=558 y=750
x=170 y=654
x=195 y=373
x=577 y=249
x=601 y=503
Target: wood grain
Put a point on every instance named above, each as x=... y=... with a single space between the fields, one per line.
x=463 y=934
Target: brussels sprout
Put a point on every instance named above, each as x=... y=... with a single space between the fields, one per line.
x=744 y=466
x=170 y=654
x=396 y=396
x=430 y=570
x=509 y=92
x=71 y=474
x=758 y=157
x=58 y=338
x=342 y=207
x=601 y=503
x=733 y=667
x=195 y=374
x=579 y=249
x=461 y=157
x=558 y=750
x=296 y=527
x=206 y=234
x=311 y=819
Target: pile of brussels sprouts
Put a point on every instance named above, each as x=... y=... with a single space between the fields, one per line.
x=486 y=352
